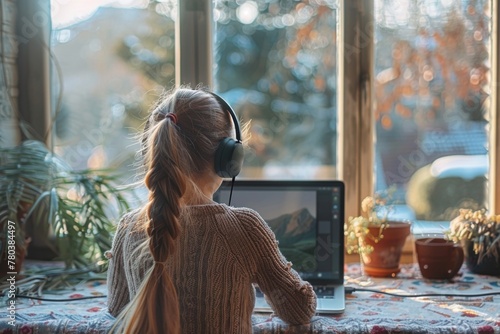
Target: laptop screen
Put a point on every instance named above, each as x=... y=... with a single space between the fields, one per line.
x=307 y=218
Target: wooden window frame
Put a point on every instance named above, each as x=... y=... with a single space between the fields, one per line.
x=194 y=64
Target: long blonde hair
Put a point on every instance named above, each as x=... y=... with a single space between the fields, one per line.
x=179 y=143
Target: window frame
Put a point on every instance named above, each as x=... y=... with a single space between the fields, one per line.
x=194 y=61
x=356 y=126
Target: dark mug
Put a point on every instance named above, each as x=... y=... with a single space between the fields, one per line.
x=438 y=258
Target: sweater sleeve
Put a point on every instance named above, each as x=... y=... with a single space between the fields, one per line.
x=118 y=293
x=291 y=298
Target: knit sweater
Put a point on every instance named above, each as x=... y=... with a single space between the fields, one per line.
x=220 y=253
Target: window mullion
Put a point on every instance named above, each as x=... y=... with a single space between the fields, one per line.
x=356 y=144
x=367 y=165
x=193 y=43
x=33 y=65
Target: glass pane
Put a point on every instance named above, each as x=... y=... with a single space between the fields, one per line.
x=432 y=64
x=275 y=63
x=111 y=60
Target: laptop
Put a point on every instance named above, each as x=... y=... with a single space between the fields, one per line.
x=316 y=249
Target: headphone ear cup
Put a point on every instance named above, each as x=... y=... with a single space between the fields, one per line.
x=229 y=158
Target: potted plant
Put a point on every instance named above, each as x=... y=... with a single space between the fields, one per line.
x=42 y=197
x=479 y=235
x=378 y=239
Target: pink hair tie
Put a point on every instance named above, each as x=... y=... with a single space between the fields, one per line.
x=172 y=117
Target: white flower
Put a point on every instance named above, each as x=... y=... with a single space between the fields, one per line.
x=368 y=204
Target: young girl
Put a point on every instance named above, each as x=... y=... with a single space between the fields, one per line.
x=184 y=263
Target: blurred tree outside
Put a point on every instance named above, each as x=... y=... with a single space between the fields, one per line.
x=108 y=76
x=431 y=82
x=285 y=58
x=431 y=94
x=285 y=51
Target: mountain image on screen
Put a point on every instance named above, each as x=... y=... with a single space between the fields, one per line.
x=296 y=233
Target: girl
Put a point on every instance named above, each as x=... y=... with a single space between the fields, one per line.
x=184 y=263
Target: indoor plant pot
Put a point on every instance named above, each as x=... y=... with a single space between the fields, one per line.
x=479 y=235
x=378 y=241
x=488 y=265
x=384 y=260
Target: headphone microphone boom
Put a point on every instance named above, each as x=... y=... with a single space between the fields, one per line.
x=229 y=154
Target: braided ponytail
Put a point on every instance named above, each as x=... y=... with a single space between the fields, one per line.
x=155 y=309
x=179 y=143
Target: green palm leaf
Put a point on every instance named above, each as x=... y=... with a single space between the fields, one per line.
x=82 y=223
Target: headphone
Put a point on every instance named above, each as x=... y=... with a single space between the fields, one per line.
x=229 y=153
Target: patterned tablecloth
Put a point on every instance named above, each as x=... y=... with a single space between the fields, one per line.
x=366 y=312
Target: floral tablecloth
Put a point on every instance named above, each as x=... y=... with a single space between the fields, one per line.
x=366 y=312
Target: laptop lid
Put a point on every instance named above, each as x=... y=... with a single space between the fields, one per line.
x=307 y=218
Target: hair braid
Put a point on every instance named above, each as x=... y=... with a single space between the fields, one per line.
x=156 y=308
x=166 y=184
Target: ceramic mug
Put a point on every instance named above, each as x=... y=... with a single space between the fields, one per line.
x=438 y=258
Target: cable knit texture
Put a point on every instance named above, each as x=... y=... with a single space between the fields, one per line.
x=221 y=251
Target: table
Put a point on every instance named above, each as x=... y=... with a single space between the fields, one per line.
x=366 y=312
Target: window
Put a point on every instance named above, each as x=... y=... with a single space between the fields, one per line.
x=276 y=64
x=432 y=92
x=319 y=80
x=111 y=62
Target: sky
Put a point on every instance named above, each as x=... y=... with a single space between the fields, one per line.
x=67 y=12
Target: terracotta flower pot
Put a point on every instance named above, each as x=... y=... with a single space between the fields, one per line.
x=386 y=255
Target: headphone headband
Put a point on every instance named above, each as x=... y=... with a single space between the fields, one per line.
x=224 y=105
